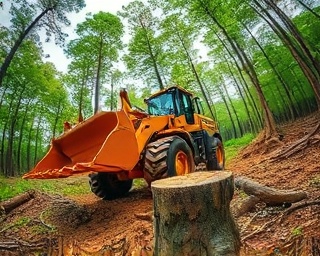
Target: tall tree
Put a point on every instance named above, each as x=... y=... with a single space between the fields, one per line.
x=47 y=14
x=102 y=32
x=145 y=48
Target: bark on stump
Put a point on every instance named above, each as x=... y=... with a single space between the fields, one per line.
x=192 y=215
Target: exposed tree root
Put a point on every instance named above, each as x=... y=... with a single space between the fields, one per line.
x=278 y=219
x=263 y=145
x=310 y=139
x=297 y=207
x=268 y=195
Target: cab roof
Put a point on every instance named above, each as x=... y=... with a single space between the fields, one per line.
x=169 y=89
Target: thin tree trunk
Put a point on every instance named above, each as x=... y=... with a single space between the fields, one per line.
x=31 y=129
x=252 y=126
x=233 y=109
x=194 y=71
x=14 y=117
x=57 y=117
x=269 y=122
x=21 y=135
x=37 y=138
x=235 y=135
x=97 y=84
x=309 y=9
x=9 y=57
x=3 y=146
x=296 y=34
x=282 y=34
x=302 y=92
x=291 y=107
x=154 y=62
x=249 y=96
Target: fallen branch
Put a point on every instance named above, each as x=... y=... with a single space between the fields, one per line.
x=268 y=195
x=311 y=138
x=16 y=201
x=297 y=207
x=278 y=219
x=8 y=245
x=260 y=229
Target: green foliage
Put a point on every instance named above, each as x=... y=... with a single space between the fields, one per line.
x=41 y=229
x=233 y=146
x=16 y=225
x=315 y=181
x=139 y=183
x=297 y=231
x=240 y=142
x=10 y=187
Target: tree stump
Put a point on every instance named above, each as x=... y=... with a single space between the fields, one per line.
x=192 y=215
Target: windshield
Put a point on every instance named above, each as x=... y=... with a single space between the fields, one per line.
x=161 y=105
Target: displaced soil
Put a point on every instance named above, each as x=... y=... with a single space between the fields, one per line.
x=86 y=225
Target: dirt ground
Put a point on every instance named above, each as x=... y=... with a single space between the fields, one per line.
x=86 y=225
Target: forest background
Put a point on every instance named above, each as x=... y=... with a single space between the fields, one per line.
x=261 y=68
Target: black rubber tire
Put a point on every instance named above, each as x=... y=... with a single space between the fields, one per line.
x=107 y=185
x=160 y=158
x=213 y=163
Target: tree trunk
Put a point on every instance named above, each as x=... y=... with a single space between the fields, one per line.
x=192 y=215
x=253 y=129
x=194 y=71
x=309 y=9
x=233 y=109
x=287 y=42
x=153 y=56
x=235 y=134
x=13 y=50
x=97 y=83
x=290 y=105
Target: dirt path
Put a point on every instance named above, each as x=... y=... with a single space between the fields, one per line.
x=87 y=225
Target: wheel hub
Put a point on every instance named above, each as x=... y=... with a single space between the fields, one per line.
x=182 y=164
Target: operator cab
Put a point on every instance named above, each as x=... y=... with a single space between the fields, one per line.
x=174 y=101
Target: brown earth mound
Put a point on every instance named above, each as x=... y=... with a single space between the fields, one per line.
x=86 y=225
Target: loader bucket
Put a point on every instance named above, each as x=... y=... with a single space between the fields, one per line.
x=105 y=142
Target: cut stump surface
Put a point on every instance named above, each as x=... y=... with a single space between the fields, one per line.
x=192 y=215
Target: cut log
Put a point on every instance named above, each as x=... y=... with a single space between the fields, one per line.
x=270 y=196
x=192 y=215
x=11 y=204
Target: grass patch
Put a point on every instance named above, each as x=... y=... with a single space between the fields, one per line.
x=315 y=181
x=10 y=187
x=233 y=146
x=16 y=225
x=40 y=229
x=139 y=183
x=297 y=231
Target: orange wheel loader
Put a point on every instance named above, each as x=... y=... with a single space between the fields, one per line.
x=172 y=138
